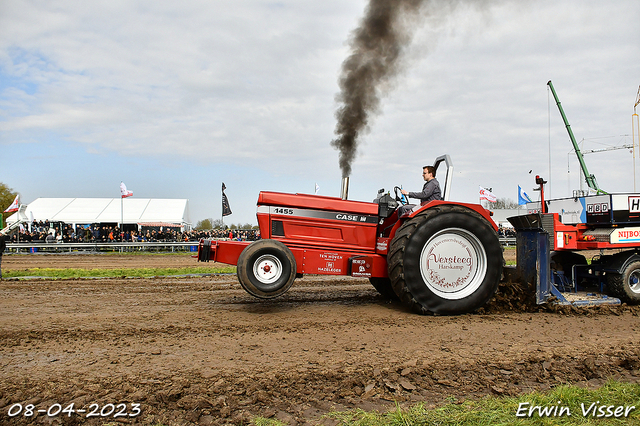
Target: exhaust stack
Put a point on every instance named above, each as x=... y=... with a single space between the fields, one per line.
x=344 y=189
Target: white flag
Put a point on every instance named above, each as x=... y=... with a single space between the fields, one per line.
x=14 y=206
x=485 y=194
x=317 y=187
x=124 y=192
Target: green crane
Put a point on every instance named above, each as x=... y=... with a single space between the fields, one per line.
x=590 y=179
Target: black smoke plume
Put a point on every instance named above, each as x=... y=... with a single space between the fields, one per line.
x=377 y=46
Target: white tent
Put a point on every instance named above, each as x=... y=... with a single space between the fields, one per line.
x=141 y=211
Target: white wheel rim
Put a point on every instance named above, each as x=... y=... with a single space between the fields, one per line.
x=634 y=281
x=267 y=269
x=453 y=263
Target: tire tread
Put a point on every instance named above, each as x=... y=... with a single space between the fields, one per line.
x=398 y=247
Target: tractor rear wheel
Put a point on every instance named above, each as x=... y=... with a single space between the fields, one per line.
x=445 y=260
x=266 y=269
x=626 y=286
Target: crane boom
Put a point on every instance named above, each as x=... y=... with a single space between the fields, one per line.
x=590 y=179
x=611 y=148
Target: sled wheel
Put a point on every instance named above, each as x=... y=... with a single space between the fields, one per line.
x=446 y=260
x=383 y=285
x=266 y=269
x=626 y=286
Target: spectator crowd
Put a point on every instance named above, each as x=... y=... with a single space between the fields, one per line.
x=506 y=232
x=59 y=232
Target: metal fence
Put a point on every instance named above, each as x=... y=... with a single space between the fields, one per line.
x=507 y=241
x=189 y=246
x=101 y=247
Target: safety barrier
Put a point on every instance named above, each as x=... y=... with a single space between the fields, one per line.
x=158 y=246
x=507 y=241
x=101 y=247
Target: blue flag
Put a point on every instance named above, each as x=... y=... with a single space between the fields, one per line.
x=523 y=198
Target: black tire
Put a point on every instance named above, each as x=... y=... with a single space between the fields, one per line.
x=626 y=286
x=471 y=270
x=384 y=287
x=266 y=269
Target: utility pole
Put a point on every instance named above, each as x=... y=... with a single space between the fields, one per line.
x=635 y=129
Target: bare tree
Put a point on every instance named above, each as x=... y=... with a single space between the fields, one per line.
x=500 y=204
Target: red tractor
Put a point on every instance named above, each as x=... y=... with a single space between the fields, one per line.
x=443 y=257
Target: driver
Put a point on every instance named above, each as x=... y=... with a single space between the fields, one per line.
x=430 y=190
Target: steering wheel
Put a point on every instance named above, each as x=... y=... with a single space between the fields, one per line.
x=402 y=199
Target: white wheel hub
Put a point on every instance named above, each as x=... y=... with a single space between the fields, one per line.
x=453 y=263
x=267 y=269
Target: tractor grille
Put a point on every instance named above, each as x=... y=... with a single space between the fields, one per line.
x=277 y=228
x=547 y=225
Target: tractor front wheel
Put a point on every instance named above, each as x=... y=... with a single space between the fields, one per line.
x=445 y=260
x=266 y=269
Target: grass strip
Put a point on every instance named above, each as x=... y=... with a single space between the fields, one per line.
x=66 y=273
x=563 y=405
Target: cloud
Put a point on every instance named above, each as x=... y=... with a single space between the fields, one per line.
x=207 y=85
x=252 y=84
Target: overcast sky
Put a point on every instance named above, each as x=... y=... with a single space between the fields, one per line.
x=174 y=98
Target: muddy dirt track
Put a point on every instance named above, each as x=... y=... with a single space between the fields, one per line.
x=199 y=350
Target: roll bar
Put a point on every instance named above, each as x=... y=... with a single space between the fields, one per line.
x=446 y=187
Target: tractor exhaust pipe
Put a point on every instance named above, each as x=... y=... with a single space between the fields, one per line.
x=344 y=189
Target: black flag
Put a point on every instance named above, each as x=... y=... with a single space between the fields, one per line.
x=226 y=210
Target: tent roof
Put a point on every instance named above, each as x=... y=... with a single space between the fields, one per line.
x=105 y=210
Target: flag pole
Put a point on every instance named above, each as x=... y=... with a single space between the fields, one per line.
x=222 y=212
